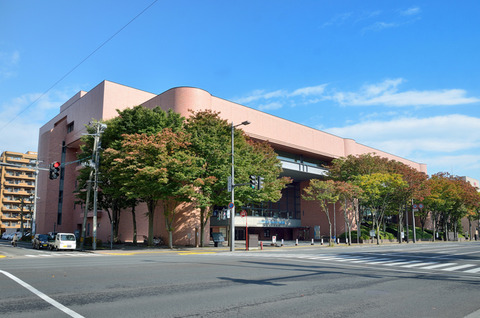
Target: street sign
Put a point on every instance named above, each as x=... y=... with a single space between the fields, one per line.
x=243 y=213
x=231 y=205
x=415 y=206
x=420 y=206
x=229 y=184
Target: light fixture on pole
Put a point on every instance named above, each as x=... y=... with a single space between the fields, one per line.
x=232 y=210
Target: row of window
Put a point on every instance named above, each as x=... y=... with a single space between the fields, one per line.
x=16 y=223
x=300 y=159
x=14 y=181
x=17 y=207
x=19 y=174
x=16 y=190
x=20 y=158
x=17 y=198
x=15 y=215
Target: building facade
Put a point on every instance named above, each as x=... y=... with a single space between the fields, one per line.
x=17 y=180
x=302 y=150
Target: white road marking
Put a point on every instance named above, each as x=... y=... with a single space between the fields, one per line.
x=419 y=264
x=451 y=269
x=49 y=300
x=473 y=270
x=438 y=265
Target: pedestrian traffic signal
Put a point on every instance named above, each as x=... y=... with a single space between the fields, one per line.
x=253 y=182
x=260 y=183
x=54 y=170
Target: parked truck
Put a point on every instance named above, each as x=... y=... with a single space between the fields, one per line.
x=63 y=241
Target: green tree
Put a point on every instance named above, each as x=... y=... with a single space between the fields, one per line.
x=348 y=168
x=152 y=168
x=380 y=191
x=349 y=195
x=111 y=197
x=415 y=191
x=210 y=139
x=324 y=193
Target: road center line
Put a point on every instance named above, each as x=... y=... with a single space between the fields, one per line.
x=53 y=302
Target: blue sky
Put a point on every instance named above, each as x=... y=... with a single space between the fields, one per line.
x=400 y=76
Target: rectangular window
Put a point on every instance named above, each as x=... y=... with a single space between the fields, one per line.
x=70 y=127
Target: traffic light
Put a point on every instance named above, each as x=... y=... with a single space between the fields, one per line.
x=253 y=182
x=260 y=183
x=54 y=170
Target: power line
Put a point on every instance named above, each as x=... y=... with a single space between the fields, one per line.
x=76 y=66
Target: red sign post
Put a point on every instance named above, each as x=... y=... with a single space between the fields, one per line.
x=244 y=214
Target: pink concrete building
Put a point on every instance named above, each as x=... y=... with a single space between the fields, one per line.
x=302 y=150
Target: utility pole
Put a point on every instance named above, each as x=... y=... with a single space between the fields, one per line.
x=232 y=209
x=35 y=191
x=94 y=163
x=100 y=129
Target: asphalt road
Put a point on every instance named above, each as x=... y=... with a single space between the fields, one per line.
x=414 y=280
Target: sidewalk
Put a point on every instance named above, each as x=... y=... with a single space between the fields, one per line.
x=129 y=249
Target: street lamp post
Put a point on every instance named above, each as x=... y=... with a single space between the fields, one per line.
x=232 y=210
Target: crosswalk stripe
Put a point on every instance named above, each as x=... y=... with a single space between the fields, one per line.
x=439 y=265
x=378 y=261
x=61 y=255
x=419 y=264
x=364 y=260
x=450 y=269
x=369 y=260
x=474 y=270
x=399 y=262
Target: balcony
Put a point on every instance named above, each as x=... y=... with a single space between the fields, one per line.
x=301 y=172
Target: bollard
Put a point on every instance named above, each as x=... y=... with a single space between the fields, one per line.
x=296 y=242
x=346 y=241
x=282 y=242
x=261 y=245
x=321 y=242
x=312 y=242
x=338 y=241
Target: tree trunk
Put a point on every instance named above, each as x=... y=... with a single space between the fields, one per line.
x=116 y=223
x=330 y=243
x=455 y=234
x=359 y=224
x=445 y=229
x=151 y=213
x=349 y=234
x=469 y=229
x=134 y=222
x=202 y=224
x=170 y=239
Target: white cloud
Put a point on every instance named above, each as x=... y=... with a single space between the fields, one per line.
x=276 y=99
x=386 y=93
x=258 y=95
x=463 y=165
x=399 y=19
x=448 y=143
x=270 y=106
x=338 y=20
x=20 y=120
x=411 y=11
x=380 y=25
x=404 y=136
x=309 y=91
x=8 y=62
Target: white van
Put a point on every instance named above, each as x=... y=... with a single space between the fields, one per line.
x=64 y=241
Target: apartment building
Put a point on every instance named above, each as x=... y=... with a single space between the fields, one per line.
x=17 y=172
